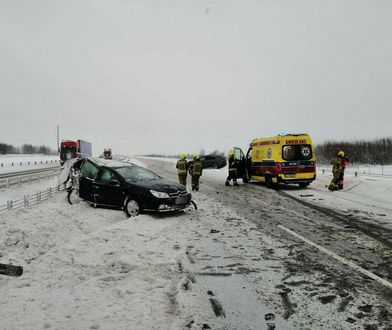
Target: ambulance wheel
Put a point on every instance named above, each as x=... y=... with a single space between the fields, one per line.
x=269 y=183
x=303 y=184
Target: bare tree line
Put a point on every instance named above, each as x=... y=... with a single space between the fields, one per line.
x=361 y=152
x=188 y=155
x=25 y=149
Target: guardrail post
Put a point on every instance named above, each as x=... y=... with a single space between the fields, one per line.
x=49 y=192
x=9 y=205
x=8 y=183
x=19 y=180
x=12 y=164
x=323 y=171
x=28 y=163
x=356 y=173
x=26 y=200
x=38 y=196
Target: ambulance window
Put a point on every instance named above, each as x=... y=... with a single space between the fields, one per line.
x=288 y=152
x=305 y=151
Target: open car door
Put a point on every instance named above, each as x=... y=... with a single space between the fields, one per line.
x=242 y=168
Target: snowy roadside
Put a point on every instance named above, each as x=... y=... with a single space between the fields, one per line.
x=95 y=268
x=365 y=197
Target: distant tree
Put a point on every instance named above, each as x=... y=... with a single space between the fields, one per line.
x=363 y=152
x=26 y=149
x=7 y=149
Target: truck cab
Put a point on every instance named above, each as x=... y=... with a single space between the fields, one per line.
x=107 y=153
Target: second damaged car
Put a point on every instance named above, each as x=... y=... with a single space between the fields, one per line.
x=129 y=187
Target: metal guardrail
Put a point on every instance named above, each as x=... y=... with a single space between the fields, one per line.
x=27 y=178
x=36 y=162
x=30 y=200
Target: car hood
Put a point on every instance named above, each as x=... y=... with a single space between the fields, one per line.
x=159 y=185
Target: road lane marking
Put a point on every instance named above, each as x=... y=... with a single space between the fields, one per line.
x=339 y=258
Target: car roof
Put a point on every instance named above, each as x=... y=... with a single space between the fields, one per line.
x=109 y=162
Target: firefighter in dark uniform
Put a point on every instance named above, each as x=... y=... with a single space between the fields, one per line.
x=232 y=170
x=338 y=167
x=195 y=170
x=182 y=166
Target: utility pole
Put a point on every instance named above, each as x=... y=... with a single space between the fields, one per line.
x=58 y=138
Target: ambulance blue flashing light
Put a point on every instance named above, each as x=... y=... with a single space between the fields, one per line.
x=283 y=134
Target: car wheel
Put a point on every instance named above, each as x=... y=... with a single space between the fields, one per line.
x=132 y=208
x=215 y=166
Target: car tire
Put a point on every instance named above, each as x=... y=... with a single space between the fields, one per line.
x=269 y=183
x=215 y=166
x=132 y=207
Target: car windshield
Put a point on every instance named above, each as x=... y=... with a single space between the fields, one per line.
x=68 y=152
x=136 y=173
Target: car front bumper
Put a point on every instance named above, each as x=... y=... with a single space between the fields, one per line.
x=174 y=203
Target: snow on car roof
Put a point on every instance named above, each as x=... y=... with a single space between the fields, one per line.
x=110 y=162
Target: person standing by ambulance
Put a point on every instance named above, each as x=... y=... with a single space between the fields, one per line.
x=182 y=166
x=344 y=161
x=195 y=170
x=338 y=167
x=232 y=170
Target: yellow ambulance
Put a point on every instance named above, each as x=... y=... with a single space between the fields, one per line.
x=284 y=158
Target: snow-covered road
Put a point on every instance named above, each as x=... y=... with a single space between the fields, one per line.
x=228 y=265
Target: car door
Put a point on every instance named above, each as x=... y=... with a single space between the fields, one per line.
x=108 y=188
x=240 y=158
x=88 y=172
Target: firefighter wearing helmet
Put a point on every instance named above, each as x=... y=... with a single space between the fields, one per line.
x=182 y=166
x=195 y=170
x=233 y=164
x=338 y=167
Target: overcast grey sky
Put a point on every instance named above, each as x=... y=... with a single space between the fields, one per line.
x=175 y=76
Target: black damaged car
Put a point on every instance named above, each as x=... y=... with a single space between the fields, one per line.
x=212 y=161
x=129 y=187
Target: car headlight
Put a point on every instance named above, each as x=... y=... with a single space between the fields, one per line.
x=159 y=194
